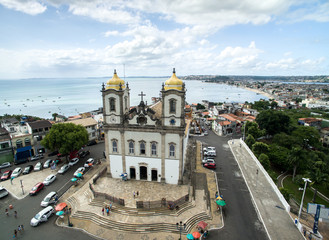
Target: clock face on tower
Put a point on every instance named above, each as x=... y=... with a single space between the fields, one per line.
x=112 y=119
x=172 y=121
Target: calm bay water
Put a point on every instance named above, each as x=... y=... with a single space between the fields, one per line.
x=70 y=96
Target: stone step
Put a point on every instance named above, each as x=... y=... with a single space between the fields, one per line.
x=123 y=226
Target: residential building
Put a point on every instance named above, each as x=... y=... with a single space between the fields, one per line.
x=90 y=124
x=39 y=130
x=6 y=149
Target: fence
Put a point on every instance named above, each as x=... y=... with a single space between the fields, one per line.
x=163 y=203
x=106 y=196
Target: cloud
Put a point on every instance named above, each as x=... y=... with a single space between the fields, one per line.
x=27 y=6
x=111 y=33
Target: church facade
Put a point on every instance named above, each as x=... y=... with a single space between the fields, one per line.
x=146 y=142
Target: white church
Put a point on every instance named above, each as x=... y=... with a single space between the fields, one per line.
x=146 y=142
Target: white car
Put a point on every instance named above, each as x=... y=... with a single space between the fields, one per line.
x=80 y=169
x=5 y=164
x=38 y=166
x=42 y=216
x=73 y=161
x=3 y=192
x=47 y=163
x=51 y=198
x=208 y=160
x=49 y=179
x=89 y=162
x=64 y=168
x=16 y=172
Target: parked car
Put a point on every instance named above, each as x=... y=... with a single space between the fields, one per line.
x=51 y=198
x=80 y=169
x=28 y=169
x=37 y=188
x=89 y=162
x=42 y=216
x=47 y=163
x=38 y=166
x=210 y=165
x=208 y=160
x=64 y=168
x=52 y=154
x=210 y=153
x=205 y=133
x=92 y=142
x=73 y=161
x=37 y=157
x=16 y=172
x=3 y=192
x=49 y=179
x=5 y=165
x=84 y=154
x=6 y=175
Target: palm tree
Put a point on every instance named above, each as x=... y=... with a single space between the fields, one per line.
x=318 y=177
x=295 y=158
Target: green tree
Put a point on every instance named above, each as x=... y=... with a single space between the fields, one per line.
x=285 y=192
x=306 y=137
x=274 y=105
x=284 y=140
x=278 y=156
x=273 y=122
x=259 y=148
x=264 y=160
x=250 y=140
x=296 y=157
x=65 y=137
x=200 y=106
x=54 y=116
x=318 y=178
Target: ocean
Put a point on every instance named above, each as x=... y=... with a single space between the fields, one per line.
x=42 y=97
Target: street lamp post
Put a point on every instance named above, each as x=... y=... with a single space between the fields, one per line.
x=301 y=204
x=180 y=226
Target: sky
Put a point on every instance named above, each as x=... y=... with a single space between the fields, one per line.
x=84 y=38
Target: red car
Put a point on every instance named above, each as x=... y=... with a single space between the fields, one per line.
x=37 y=188
x=6 y=175
x=210 y=165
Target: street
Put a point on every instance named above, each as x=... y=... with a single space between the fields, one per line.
x=30 y=205
x=240 y=218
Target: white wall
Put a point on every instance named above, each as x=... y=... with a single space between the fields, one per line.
x=150 y=163
x=116 y=165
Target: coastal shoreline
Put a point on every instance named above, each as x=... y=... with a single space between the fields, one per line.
x=269 y=96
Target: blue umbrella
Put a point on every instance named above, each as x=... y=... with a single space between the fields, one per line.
x=79 y=174
x=60 y=213
x=190 y=236
x=74 y=179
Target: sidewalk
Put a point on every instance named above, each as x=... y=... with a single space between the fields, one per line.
x=277 y=221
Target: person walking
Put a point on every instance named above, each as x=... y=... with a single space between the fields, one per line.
x=19 y=229
x=15 y=233
x=6 y=211
x=137 y=193
x=110 y=206
x=108 y=211
x=15 y=214
x=22 y=227
x=134 y=194
x=103 y=211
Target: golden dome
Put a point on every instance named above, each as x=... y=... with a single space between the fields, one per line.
x=174 y=83
x=115 y=82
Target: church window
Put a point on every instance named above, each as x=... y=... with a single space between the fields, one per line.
x=126 y=103
x=131 y=147
x=154 y=148
x=172 y=150
x=142 y=148
x=172 y=106
x=115 y=146
x=112 y=104
x=27 y=142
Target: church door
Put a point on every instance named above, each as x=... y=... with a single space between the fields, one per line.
x=154 y=175
x=132 y=173
x=143 y=173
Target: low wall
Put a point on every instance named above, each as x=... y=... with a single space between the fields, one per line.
x=269 y=179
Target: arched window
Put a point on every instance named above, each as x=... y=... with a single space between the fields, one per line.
x=172 y=150
x=115 y=146
x=153 y=148
x=19 y=143
x=27 y=142
x=112 y=104
x=126 y=103
x=131 y=147
x=172 y=106
x=142 y=148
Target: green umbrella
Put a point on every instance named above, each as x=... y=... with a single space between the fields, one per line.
x=60 y=213
x=190 y=236
x=79 y=174
x=74 y=179
x=221 y=202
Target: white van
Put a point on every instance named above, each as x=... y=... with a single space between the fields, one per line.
x=42 y=216
x=210 y=153
x=51 y=198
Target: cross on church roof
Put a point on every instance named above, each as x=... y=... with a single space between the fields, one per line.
x=142 y=95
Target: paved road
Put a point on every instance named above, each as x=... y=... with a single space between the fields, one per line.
x=240 y=218
x=29 y=206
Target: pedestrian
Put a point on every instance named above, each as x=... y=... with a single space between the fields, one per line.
x=19 y=229
x=11 y=180
x=107 y=211
x=22 y=227
x=103 y=211
x=15 y=233
x=137 y=193
x=7 y=213
x=15 y=214
x=110 y=206
x=134 y=194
